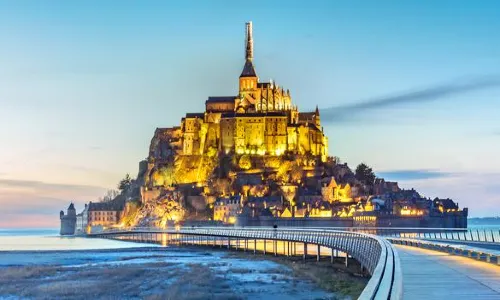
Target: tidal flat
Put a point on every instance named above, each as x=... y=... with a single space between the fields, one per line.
x=156 y=273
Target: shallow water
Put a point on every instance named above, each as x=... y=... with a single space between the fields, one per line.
x=49 y=239
x=247 y=279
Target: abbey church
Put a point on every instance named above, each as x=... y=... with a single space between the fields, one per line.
x=260 y=120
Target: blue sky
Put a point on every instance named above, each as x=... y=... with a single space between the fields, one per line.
x=83 y=85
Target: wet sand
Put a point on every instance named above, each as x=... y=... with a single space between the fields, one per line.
x=155 y=273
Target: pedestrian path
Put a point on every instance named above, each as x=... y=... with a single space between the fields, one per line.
x=429 y=274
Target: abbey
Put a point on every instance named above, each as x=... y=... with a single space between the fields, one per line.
x=260 y=120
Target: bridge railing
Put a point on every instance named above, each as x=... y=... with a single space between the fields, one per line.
x=486 y=235
x=377 y=255
x=471 y=234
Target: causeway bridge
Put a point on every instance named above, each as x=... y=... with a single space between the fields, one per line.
x=403 y=264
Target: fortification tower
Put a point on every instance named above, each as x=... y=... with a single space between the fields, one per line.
x=68 y=221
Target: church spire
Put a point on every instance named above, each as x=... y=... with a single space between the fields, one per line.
x=248 y=68
x=249 y=42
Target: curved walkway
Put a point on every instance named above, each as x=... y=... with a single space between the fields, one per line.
x=430 y=274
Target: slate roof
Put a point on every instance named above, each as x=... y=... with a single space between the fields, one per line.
x=306 y=116
x=248 y=70
x=447 y=203
x=253 y=115
x=113 y=205
x=195 y=115
x=219 y=99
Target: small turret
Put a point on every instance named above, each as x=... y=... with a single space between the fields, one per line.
x=317 y=120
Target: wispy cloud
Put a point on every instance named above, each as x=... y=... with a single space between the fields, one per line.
x=32 y=199
x=405 y=175
x=28 y=205
x=433 y=93
x=47 y=185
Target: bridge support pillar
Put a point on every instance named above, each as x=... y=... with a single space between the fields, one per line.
x=318 y=253
x=265 y=244
x=275 y=247
x=304 y=255
x=331 y=255
x=346 y=258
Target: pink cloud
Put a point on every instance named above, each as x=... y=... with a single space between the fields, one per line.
x=37 y=204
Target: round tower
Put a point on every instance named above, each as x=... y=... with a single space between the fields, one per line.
x=68 y=221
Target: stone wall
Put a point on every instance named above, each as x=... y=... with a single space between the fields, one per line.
x=68 y=225
x=457 y=220
x=295 y=222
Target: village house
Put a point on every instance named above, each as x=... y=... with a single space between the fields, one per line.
x=226 y=209
x=82 y=220
x=105 y=213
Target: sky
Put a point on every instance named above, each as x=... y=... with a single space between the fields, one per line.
x=412 y=88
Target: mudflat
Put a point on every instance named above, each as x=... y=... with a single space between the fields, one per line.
x=159 y=273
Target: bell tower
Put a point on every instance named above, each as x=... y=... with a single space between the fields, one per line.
x=248 y=77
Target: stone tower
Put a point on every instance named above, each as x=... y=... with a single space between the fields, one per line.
x=68 y=221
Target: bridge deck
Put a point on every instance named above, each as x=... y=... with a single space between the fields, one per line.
x=430 y=274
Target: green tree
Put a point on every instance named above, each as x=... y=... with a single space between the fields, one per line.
x=125 y=182
x=365 y=174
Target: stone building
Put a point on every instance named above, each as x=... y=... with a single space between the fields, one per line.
x=82 y=220
x=68 y=221
x=105 y=213
x=381 y=187
x=227 y=209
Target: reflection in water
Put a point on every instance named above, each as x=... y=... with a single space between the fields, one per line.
x=41 y=243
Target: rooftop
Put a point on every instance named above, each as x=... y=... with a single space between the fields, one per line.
x=219 y=99
x=248 y=70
